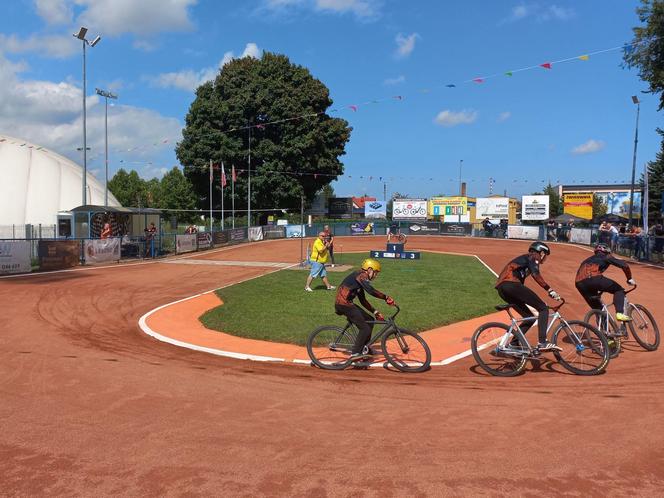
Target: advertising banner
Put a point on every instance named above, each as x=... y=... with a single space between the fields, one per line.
x=580 y=235
x=618 y=203
x=375 y=209
x=185 y=243
x=448 y=206
x=340 y=207
x=274 y=232
x=204 y=240
x=494 y=208
x=409 y=209
x=580 y=205
x=237 y=234
x=58 y=254
x=431 y=228
x=456 y=228
x=362 y=228
x=15 y=257
x=220 y=238
x=523 y=232
x=535 y=207
x=255 y=233
x=295 y=231
x=101 y=250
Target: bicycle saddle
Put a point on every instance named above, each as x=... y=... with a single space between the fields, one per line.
x=503 y=307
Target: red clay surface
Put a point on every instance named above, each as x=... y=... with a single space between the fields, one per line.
x=92 y=406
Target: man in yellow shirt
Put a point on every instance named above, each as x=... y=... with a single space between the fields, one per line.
x=318 y=258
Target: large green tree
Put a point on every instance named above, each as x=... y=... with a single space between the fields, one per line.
x=128 y=188
x=278 y=107
x=647 y=53
x=656 y=184
x=176 y=193
x=599 y=206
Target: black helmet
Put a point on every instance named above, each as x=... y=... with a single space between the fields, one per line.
x=539 y=247
x=603 y=248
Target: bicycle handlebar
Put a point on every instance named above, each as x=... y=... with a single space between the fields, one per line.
x=556 y=308
x=630 y=290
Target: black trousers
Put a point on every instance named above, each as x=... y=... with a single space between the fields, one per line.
x=591 y=289
x=519 y=295
x=358 y=317
x=331 y=252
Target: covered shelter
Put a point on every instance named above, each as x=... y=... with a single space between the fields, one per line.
x=566 y=218
x=611 y=218
x=86 y=222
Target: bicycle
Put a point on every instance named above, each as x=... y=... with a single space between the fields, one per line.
x=400 y=236
x=329 y=347
x=643 y=326
x=503 y=350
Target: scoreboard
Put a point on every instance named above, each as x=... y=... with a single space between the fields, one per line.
x=395 y=255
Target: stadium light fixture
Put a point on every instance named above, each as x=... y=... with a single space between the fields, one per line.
x=81 y=36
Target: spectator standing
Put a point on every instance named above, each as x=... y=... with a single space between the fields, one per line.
x=639 y=243
x=604 y=235
x=657 y=232
x=613 y=232
x=149 y=239
x=551 y=230
x=329 y=242
x=318 y=258
x=107 y=231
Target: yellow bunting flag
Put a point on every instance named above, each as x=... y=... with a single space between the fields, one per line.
x=584 y=57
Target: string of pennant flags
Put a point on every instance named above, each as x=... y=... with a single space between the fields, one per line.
x=627 y=48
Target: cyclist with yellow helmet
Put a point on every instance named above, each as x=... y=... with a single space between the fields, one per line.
x=355 y=285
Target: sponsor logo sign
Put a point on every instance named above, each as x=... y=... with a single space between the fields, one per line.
x=101 y=250
x=448 y=206
x=409 y=209
x=340 y=207
x=580 y=235
x=523 y=232
x=580 y=205
x=220 y=238
x=535 y=207
x=456 y=229
x=423 y=228
x=58 y=254
x=492 y=207
x=295 y=231
x=255 y=233
x=204 y=240
x=15 y=257
x=185 y=243
x=375 y=209
x=362 y=228
x=238 y=234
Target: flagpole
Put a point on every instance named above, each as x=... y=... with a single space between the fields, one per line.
x=223 y=187
x=249 y=184
x=233 y=193
x=211 y=178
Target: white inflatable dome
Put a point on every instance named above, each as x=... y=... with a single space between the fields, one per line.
x=36 y=183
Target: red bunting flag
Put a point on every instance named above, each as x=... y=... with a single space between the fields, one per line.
x=353 y=107
x=478 y=80
x=546 y=65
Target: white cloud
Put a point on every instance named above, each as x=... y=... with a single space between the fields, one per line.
x=539 y=12
x=589 y=147
x=364 y=9
x=48 y=113
x=395 y=81
x=504 y=116
x=449 y=118
x=55 y=11
x=405 y=44
x=189 y=79
x=58 y=46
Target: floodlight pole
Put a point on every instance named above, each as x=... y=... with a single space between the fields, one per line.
x=249 y=183
x=635 y=99
x=81 y=36
x=460 y=165
x=106 y=95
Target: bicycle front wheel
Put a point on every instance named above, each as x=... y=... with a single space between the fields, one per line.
x=608 y=327
x=330 y=347
x=506 y=360
x=643 y=327
x=406 y=351
x=585 y=350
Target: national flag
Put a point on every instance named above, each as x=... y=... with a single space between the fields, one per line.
x=211 y=172
x=233 y=175
x=223 y=175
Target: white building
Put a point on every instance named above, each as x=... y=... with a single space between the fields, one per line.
x=37 y=183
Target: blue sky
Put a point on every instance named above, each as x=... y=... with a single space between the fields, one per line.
x=573 y=123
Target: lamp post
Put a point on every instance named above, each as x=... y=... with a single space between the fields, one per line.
x=106 y=95
x=635 y=99
x=460 y=165
x=81 y=36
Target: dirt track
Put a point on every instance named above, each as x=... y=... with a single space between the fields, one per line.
x=91 y=406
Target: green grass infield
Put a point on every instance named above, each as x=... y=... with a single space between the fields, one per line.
x=436 y=290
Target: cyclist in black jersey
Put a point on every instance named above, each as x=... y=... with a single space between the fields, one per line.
x=512 y=290
x=354 y=285
x=591 y=283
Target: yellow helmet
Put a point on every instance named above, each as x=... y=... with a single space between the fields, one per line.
x=370 y=263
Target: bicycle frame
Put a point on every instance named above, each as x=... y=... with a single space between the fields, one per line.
x=388 y=322
x=515 y=330
x=606 y=316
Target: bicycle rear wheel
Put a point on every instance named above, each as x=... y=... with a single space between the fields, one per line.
x=503 y=361
x=329 y=347
x=608 y=327
x=401 y=238
x=406 y=351
x=643 y=327
x=585 y=350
